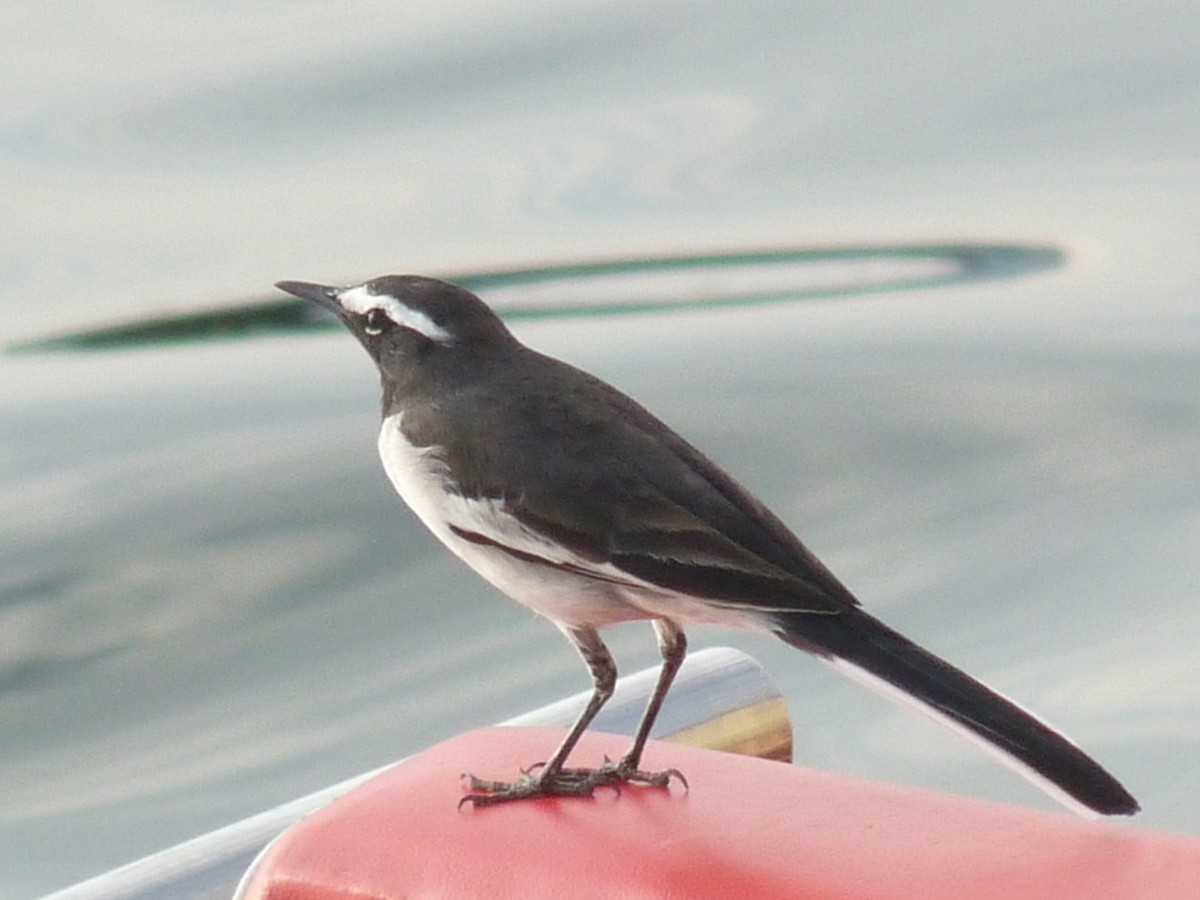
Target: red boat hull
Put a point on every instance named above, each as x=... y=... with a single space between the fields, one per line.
x=745 y=828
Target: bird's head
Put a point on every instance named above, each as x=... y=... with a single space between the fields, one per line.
x=402 y=320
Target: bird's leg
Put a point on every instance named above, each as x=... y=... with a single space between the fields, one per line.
x=550 y=779
x=672 y=646
x=554 y=779
x=604 y=680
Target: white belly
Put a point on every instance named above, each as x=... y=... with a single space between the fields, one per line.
x=562 y=596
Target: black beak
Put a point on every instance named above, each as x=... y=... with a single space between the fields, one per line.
x=320 y=294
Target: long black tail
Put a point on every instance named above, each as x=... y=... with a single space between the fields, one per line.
x=1044 y=755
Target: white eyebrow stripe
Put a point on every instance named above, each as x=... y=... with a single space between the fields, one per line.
x=360 y=300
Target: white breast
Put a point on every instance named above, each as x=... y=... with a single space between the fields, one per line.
x=416 y=475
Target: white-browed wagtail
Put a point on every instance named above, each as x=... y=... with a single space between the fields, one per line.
x=578 y=503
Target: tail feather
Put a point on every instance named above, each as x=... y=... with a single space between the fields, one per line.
x=861 y=644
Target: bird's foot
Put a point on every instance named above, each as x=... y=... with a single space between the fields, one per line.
x=537 y=782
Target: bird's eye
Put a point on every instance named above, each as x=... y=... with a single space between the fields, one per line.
x=377 y=322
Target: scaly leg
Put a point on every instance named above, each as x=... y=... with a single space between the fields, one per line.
x=672 y=646
x=553 y=779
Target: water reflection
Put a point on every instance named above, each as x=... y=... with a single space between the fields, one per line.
x=626 y=286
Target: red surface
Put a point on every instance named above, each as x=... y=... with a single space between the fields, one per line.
x=745 y=828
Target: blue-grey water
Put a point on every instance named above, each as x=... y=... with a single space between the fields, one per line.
x=210 y=601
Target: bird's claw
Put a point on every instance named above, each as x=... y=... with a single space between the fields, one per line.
x=564 y=783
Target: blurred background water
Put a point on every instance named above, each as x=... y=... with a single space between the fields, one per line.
x=210 y=600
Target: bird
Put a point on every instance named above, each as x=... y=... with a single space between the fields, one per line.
x=578 y=503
